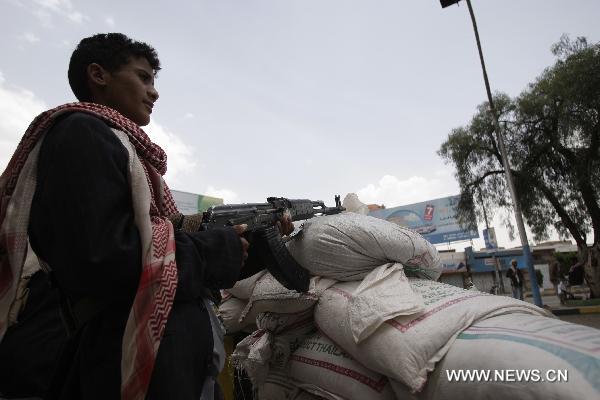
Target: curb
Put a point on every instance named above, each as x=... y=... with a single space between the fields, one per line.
x=576 y=310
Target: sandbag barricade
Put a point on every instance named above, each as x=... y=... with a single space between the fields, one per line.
x=269 y=295
x=525 y=357
x=230 y=311
x=394 y=326
x=243 y=289
x=263 y=293
x=320 y=362
x=406 y=348
x=270 y=347
x=278 y=385
x=233 y=303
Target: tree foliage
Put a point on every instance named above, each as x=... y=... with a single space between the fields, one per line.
x=552 y=136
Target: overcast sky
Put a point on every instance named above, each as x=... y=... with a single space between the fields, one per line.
x=295 y=98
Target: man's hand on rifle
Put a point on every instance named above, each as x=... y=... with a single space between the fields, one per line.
x=285 y=224
x=240 y=229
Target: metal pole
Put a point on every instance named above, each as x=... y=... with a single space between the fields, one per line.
x=537 y=299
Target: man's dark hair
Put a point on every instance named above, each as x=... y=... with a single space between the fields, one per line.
x=111 y=51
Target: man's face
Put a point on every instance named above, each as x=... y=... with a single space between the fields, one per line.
x=130 y=90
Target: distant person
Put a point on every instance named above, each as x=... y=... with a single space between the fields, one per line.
x=516 y=280
x=468 y=277
x=469 y=285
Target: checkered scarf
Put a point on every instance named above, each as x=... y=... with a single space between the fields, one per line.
x=152 y=202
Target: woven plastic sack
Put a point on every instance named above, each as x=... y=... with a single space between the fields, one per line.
x=271 y=345
x=347 y=246
x=554 y=359
x=269 y=295
x=406 y=348
x=230 y=311
x=321 y=362
x=277 y=385
x=383 y=294
x=243 y=289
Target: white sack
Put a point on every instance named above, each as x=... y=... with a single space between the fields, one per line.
x=277 y=385
x=352 y=204
x=407 y=347
x=270 y=346
x=230 y=311
x=521 y=343
x=384 y=294
x=312 y=392
x=243 y=289
x=348 y=246
x=321 y=362
x=269 y=295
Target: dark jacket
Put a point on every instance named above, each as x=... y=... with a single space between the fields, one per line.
x=516 y=278
x=82 y=225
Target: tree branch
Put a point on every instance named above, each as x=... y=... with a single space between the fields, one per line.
x=571 y=226
x=477 y=181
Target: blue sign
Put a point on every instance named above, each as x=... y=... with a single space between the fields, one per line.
x=434 y=219
x=485 y=261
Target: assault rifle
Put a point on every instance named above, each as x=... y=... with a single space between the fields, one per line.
x=267 y=248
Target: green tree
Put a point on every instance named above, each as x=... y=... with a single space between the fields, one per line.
x=552 y=135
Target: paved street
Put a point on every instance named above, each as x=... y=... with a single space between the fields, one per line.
x=588 y=319
x=592 y=320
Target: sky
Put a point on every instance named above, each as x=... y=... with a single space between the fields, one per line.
x=296 y=98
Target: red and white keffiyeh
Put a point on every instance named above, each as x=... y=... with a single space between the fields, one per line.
x=152 y=203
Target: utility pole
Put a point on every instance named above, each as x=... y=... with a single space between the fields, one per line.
x=537 y=299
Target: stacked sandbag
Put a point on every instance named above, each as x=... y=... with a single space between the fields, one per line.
x=282 y=317
x=383 y=294
x=525 y=356
x=343 y=247
x=242 y=304
x=277 y=385
x=320 y=362
x=278 y=318
x=243 y=289
x=373 y=253
x=268 y=295
x=383 y=322
x=234 y=302
x=380 y=254
x=348 y=246
x=264 y=354
x=230 y=311
x=456 y=328
x=407 y=347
